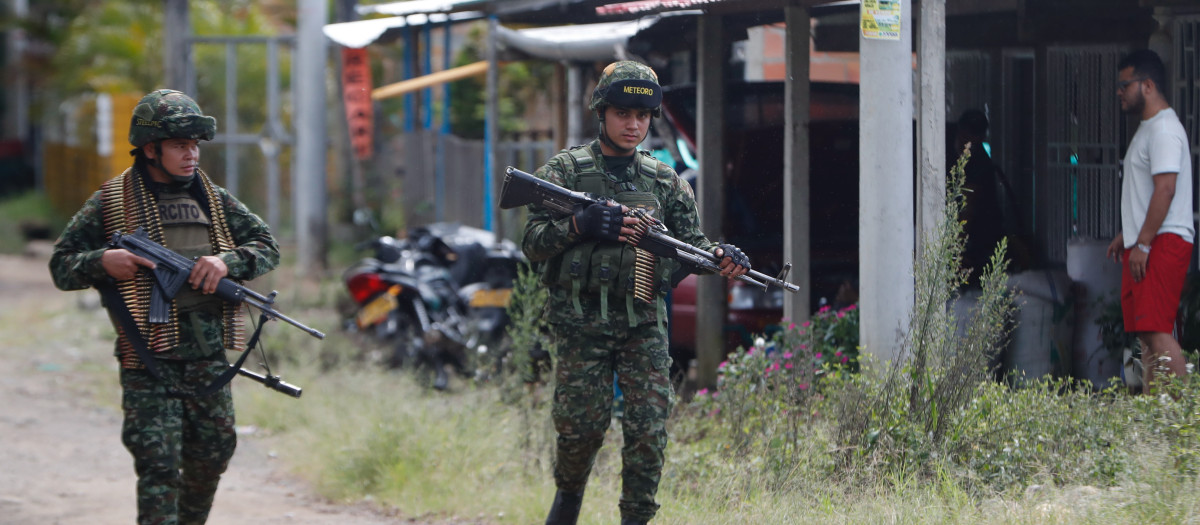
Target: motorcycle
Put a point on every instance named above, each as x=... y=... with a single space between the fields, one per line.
x=485 y=269
x=407 y=297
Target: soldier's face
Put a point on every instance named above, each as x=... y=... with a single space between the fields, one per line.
x=180 y=157
x=626 y=127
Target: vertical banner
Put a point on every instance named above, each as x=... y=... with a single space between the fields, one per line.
x=356 y=87
x=881 y=19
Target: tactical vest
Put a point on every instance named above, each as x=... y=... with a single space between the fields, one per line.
x=608 y=268
x=179 y=222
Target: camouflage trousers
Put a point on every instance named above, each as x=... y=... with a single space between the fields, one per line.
x=589 y=350
x=180 y=446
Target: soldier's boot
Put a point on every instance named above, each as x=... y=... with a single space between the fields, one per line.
x=565 y=510
x=628 y=521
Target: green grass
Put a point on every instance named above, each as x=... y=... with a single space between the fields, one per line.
x=473 y=455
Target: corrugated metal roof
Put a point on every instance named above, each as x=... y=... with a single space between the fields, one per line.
x=603 y=41
x=361 y=33
x=642 y=6
x=419 y=7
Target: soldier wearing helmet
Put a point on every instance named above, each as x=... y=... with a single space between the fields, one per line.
x=181 y=440
x=601 y=332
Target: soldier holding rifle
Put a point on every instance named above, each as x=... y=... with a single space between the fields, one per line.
x=606 y=309
x=181 y=439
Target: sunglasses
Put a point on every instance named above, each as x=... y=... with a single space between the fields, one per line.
x=1125 y=83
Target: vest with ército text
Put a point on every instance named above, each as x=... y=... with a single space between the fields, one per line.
x=184 y=224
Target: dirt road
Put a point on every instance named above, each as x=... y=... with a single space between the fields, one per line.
x=62 y=461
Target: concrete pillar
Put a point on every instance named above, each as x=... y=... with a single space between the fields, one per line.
x=931 y=133
x=1163 y=43
x=797 y=219
x=886 y=232
x=308 y=185
x=711 y=303
x=575 y=105
x=177 y=28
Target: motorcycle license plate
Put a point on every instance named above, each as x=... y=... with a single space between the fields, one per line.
x=493 y=298
x=376 y=310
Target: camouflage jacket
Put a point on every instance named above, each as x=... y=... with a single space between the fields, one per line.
x=546 y=236
x=75 y=263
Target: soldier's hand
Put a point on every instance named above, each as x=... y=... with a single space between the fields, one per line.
x=604 y=221
x=121 y=264
x=734 y=263
x=207 y=273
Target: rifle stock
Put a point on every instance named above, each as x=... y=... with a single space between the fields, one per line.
x=521 y=189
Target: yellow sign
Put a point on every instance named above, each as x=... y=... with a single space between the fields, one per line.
x=881 y=19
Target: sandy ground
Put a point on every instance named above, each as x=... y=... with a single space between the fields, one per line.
x=61 y=459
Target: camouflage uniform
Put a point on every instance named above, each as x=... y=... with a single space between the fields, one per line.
x=597 y=337
x=180 y=445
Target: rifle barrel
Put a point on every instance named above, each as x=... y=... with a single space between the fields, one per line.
x=274 y=314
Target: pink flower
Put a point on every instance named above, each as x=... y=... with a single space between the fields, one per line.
x=803 y=386
x=803 y=346
x=750 y=351
x=722 y=365
x=818 y=355
x=825 y=308
x=788 y=366
x=791 y=326
x=702 y=392
x=787 y=355
x=845 y=358
x=838 y=353
x=850 y=308
x=805 y=324
x=841 y=315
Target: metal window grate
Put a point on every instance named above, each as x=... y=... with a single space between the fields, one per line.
x=968 y=83
x=1186 y=99
x=1086 y=136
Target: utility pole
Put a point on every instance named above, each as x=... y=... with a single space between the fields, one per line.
x=177 y=29
x=711 y=302
x=886 y=232
x=309 y=197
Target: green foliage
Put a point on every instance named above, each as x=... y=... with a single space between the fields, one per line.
x=520 y=83
x=903 y=421
x=528 y=327
x=115 y=46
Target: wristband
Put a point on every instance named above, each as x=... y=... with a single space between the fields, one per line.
x=1143 y=247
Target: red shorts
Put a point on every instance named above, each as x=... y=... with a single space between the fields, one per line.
x=1151 y=305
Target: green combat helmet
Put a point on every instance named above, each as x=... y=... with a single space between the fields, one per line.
x=169 y=114
x=627 y=84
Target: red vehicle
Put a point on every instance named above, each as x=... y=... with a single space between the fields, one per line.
x=754 y=201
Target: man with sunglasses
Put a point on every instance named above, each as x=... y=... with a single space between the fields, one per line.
x=1155 y=242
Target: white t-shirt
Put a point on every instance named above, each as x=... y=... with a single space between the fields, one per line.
x=1159 y=146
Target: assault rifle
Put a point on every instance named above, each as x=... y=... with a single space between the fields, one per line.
x=521 y=188
x=171 y=272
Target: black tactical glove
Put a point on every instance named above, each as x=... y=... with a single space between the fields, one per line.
x=735 y=255
x=599 y=221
